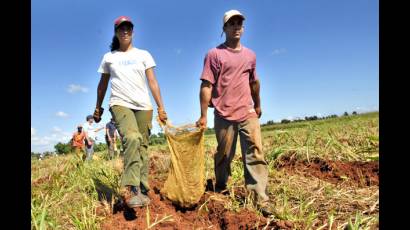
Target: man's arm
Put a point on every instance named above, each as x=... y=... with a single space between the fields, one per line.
x=205 y=94
x=255 y=87
x=156 y=93
x=107 y=133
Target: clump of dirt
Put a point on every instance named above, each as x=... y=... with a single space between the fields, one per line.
x=358 y=173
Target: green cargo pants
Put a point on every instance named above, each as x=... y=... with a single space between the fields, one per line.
x=255 y=166
x=134 y=126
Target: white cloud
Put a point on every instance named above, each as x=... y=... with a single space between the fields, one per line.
x=33 y=131
x=56 y=129
x=46 y=143
x=72 y=88
x=279 y=51
x=61 y=114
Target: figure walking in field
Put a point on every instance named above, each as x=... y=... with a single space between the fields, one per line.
x=230 y=85
x=79 y=142
x=91 y=136
x=111 y=138
x=130 y=69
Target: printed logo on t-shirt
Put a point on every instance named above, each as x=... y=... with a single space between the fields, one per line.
x=127 y=62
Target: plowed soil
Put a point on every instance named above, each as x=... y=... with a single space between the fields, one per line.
x=210 y=213
x=361 y=174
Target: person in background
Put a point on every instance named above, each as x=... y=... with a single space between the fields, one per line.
x=78 y=142
x=91 y=136
x=111 y=138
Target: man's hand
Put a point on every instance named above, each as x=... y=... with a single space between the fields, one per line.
x=258 y=111
x=162 y=115
x=201 y=123
x=98 y=112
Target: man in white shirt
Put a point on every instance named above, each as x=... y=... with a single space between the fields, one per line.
x=91 y=136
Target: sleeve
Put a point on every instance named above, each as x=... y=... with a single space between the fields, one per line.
x=148 y=60
x=211 y=68
x=253 y=75
x=104 y=68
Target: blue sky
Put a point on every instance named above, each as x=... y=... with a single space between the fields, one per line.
x=314 y=57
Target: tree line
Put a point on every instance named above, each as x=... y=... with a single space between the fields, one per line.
x=307 y=118
x=159 y=139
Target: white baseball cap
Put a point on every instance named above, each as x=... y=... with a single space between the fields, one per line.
x=229 y=14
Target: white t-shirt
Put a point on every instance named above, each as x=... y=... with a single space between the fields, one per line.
x=90 y=130
x=128 y=79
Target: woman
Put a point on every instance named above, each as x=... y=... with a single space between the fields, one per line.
x=130 y=69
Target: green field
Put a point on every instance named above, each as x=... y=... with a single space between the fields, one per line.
x=64 y=193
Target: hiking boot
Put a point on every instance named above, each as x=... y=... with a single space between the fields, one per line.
x=133 y=198
x=265 y=209
x=141 y=195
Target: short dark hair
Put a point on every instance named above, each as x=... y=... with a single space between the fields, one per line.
x=89 y=117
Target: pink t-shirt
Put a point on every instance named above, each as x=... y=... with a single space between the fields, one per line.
x=230 y=72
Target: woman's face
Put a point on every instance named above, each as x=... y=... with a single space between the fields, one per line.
x=124 y=33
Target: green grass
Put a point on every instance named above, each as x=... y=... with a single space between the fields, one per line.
x=67 y=196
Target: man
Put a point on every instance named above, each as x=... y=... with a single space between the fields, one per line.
x=78 y=142
x=230 y=85
x=91 y=136
x=111 y=138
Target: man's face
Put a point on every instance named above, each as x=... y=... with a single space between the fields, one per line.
x=124 y=33
x=233 y=27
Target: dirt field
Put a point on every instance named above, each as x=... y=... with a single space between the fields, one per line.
x=211 y=213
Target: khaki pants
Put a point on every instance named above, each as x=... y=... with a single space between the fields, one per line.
x=111 y=147
x=255 y=166
x=134 y=127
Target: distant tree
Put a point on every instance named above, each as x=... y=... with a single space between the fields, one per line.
x=285 y=121
x=158 y=139
x=345 y=114
x=270 y=122
x=354 y=113
x=47 y=154
x=100 y=147
x=311 y=118
x=62 y=148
